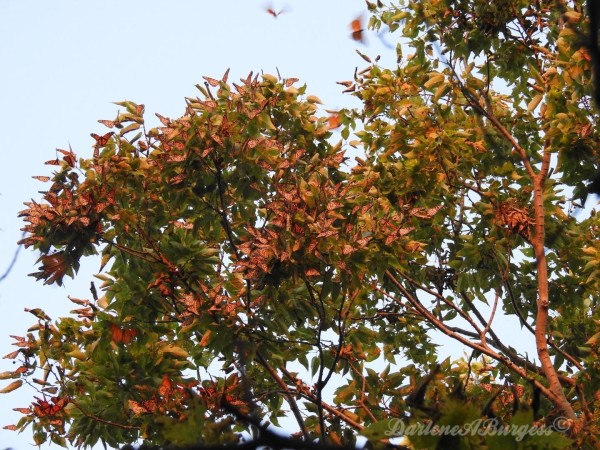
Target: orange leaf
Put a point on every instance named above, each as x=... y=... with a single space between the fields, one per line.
x=205 y=338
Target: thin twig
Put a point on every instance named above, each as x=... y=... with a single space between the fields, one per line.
x=14 y=259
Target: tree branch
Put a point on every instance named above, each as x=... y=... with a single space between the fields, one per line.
x=290 y=398
x=481 y=347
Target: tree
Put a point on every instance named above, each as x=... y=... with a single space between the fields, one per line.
x=236 y=249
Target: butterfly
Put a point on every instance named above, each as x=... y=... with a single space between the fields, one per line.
x=69 y=156
x=143 y=407
x=271 y=10
x=212 y=81
x=43 y=408
x=53 y=269
x=101 y=141
x=107 y=123
x=357 y=29
x=334 y=121
x=120 y=335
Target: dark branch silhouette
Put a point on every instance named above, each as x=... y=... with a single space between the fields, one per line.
x=266 y=439
x=14 y=260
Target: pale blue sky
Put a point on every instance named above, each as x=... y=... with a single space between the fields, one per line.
x=64 y=62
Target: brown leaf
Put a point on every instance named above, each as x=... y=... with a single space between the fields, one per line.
x=11 y=387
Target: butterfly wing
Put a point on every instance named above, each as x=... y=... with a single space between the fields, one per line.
x=357 y=29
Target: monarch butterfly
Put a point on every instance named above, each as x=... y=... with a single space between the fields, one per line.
x=334 y=121
x=357 y=29
x=54 y=267
x=69 y=157
x=226 y=76
x=212 y=81
x=101 y=141
x=107 y=123
x=122 y=336
x=143 y=407
x=43 y=408
x=275 y=14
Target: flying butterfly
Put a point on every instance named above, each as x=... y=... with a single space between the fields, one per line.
x=357 y=29
x=334 y=120
x=271 y=10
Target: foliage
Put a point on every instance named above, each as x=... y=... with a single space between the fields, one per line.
x=246 y=271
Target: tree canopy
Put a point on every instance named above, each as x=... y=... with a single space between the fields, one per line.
x=252 y=272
